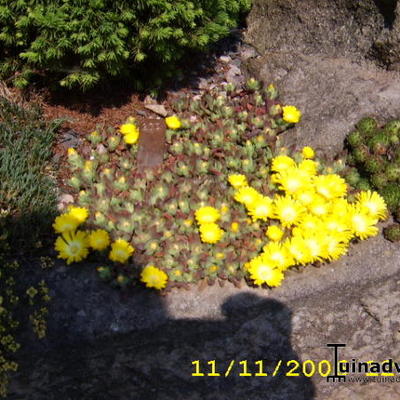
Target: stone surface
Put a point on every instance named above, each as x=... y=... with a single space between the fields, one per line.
x=151 y=143
x=158 y=109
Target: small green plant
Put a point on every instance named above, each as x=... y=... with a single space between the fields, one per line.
x=83 y=43
x=374 y=160
x=27 y=190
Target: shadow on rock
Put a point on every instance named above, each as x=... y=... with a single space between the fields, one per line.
x=158 y=364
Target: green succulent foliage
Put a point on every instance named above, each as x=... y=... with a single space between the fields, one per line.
x=82 y=43
x=27 y=192
x=375 y=152
x=155 y=210
x=392 y=232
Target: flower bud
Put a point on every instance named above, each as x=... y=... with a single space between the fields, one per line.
x=94 y=138
x=271 y=92
x=75 y=182
x=113 y=141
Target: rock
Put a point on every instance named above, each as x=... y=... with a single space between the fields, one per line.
x=63 y=200
x=225 y=59
x=158 y=109
x=320 y=60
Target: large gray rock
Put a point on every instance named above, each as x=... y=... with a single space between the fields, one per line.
x=323 y=56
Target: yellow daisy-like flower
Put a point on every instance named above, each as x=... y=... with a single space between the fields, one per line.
x=293 y=180
x=129 y=128
x=99 y=239
x=335 y=245
x=72 y=246
x=288 y=211
x=121 y=250
x=298 y=249
x=330 y=186
x=315 y=245
x=71 y=151
x=131 y=138
x=319 y=206
x=207 y=215
x=247 y=196
x=291 y=114
x=210 y=233
x=362 y=224
x=65 y=223
x=308 y=152
x=281 y=163
x=309 y=166
x=306 y=196
x=80 y=213
x=373 y=203
x=310 y=223
x=274 y=233
x=154 y=277
x=237 y=180
x=173 y=122
x=262 y=208
x=279 y=255
x=261 y=270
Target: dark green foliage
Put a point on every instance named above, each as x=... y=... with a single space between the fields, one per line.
x=27 y=194
x=391 y=194
x=377 y=158
x=367 y=126
x=392 y=232
x=84 y=42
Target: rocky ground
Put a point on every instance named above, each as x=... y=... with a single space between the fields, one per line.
x=106 y=345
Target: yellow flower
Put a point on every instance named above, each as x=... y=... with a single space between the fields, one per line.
x=131 y=138
x=261 y=270
x=65 y=223
x=291 y=114
x=262 y=208
x=319 y=206
x=121 y=250
x=207 y=215
x=274 y=233
x=72 y=246
x=281 y=163
x=298 y=249
x=129 y=128
x=153 y=277
x=330 y=186
x=237 y=180
x=361 y=224
x=306 y=196
x=309 y=166
x=99 y=239
x=279 y=255
x=373 y=203
x=234 y=227
x=288 y=211
x=308 y=152
x=335 y=245
x=71 y=151
x=293 y=180
x=247 y=196
x=79 y=213
x=210 y=233
x=173 y=122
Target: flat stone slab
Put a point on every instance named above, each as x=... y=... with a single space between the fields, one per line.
x=151 y=143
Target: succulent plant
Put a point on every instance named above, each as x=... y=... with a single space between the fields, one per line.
x=375 y=151
x=228 y=130
x=392 y=232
